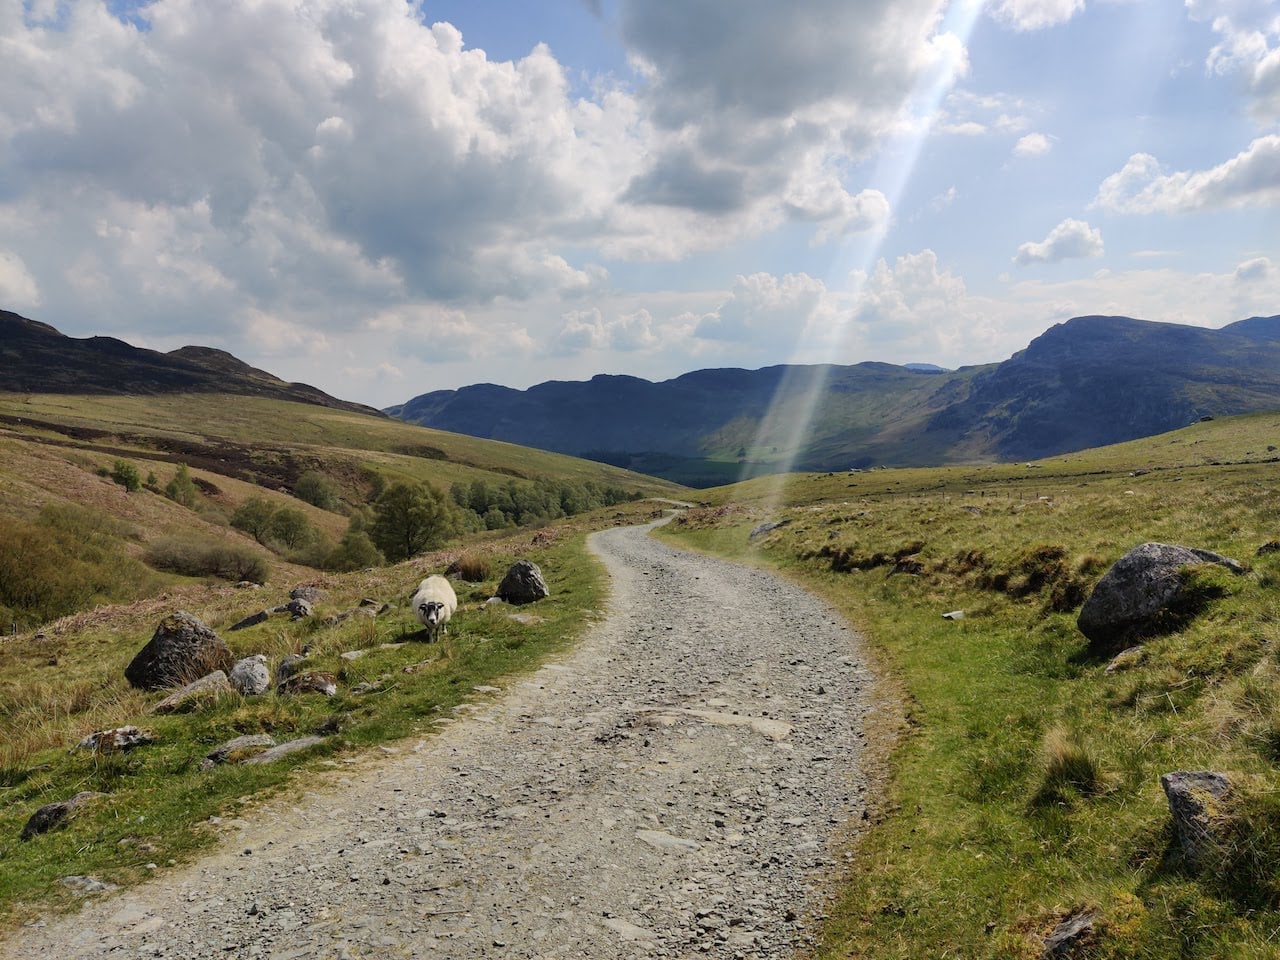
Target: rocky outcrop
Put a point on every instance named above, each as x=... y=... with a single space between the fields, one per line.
x=250 y=676
x=182 y=649
x=1141 y=584
x=53 y=815
x=523 y=583
x=1195 y=798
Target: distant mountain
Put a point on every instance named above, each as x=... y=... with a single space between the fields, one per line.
x=37 y=358
x=1085 y=382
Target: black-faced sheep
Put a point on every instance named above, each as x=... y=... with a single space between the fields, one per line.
x=434 y=604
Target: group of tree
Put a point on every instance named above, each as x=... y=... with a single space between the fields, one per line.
x=512 y=504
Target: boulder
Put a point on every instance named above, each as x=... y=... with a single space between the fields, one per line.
x=1271 y=546
x=1194 y=804
x=324 y=683
x=523 y=583
x=181 y=650
x=307 y=592
x=299 y=609
x=250 y=676
x=237 y=750
x=195 y=694
x=115 y=740
x=1143 y=582
x=53 y=815
x=290 y=664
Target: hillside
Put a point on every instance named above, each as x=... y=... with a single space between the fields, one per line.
x=57 y=451
x=1086 y=382
x=38 y=358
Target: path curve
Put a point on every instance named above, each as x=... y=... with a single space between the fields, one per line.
x=670 y=788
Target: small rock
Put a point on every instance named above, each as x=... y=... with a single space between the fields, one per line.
x=1127 y=658
x=289 y=665
x=1194 y=797
x=53 y=815
x=115 y=739
x=1271 y=546
x=86 y=884
x=237 y=750
x=954 y=615
x=250 y=621
x=324 y=683
x=299 y=609
x=250 y=676
x=1070 y=935
x=311 y=594
x=200 y=692
x=283 y=750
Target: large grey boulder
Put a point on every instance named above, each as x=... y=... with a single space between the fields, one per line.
x=182 y=649
x=523 y=583
x=1195 y=797
x=250 y=676
x=1143 y=582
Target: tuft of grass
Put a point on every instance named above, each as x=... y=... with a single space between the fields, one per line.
x=1069 y=769
x=474 y=568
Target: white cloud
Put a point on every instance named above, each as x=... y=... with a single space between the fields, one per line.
x=17 y=287
x=1032 y=145
x=1249 y=45
x=584 y=330
x=1251 y=178
x=766 y=310
x=1071 y=239
x=1251 y=271
x=1026 y=15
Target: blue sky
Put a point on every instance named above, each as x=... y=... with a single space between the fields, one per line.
x=384 y=198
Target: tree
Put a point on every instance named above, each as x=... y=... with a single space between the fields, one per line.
x=355 y=552
x=254 y=518
x=126 y=474
x=181 y=489
x=315 y=488
x=290 y=528
x=409 y=518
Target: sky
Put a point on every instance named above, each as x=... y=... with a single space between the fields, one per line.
x=384 y=198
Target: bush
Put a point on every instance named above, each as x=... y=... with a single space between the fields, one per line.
x=181 y=489
x=315 y=488
x=289 y=528
x=126 y=474
x=474 y=569
x=355 y=552
x=67 y=560
x=195 y=558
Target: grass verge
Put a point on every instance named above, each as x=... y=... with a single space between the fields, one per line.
x=1028 y=787
x=158 y=802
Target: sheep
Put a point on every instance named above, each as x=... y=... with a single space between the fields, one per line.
x=434 y=604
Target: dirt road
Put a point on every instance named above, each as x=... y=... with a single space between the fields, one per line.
x=669 y=789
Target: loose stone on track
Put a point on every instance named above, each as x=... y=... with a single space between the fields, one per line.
x=671 y=788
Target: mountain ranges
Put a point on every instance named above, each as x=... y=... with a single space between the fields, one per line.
x=1083 y=383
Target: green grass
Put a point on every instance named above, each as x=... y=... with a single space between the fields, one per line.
x=1027 y=786
x=56 y=690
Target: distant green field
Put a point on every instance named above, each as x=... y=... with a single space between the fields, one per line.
x=1024 y=786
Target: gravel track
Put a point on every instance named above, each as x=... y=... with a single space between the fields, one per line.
x=674 y=787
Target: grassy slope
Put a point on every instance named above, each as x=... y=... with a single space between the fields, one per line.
x=1028 y=787
x=55 y=690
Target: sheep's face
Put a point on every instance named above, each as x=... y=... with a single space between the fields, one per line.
x=430 y=612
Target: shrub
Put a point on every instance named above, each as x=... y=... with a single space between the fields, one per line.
x=473 y=568
x=290 y=528
x=355 y=552
x=181 y=489
x=126 y=474
x=315 y=488
x=196 y=558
